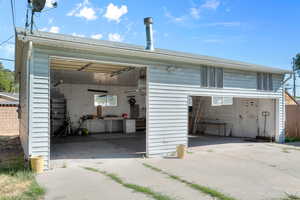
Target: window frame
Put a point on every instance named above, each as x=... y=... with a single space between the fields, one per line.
x=106 y=100
x=211 y=77
x=264 y=81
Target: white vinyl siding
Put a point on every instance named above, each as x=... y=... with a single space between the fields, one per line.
x=168 y=103
x=40 y=107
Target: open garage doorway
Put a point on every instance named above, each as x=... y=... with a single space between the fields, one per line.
x=219 y=120
x=98 y=110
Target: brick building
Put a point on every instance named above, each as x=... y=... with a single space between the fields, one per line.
x=9 y=123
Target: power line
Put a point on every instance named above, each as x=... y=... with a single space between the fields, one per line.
x=5 y=41
x=7 y=59
x=13 y=14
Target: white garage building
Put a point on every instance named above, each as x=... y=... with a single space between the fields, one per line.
x=87 y=73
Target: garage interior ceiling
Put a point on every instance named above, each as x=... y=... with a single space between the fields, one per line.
x=78 y=71
x=86 y=66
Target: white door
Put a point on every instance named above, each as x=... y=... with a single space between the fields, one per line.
x=248 y=117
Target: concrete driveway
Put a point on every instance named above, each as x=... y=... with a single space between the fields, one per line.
x=243 y=170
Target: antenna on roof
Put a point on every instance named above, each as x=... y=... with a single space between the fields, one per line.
x=35 y=6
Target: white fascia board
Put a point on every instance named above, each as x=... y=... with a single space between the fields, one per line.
x=175 y=58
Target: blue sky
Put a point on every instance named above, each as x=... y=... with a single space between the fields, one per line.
x=262 y=32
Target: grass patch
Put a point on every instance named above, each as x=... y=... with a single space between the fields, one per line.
x=17 y=182
x=137 y=188
x=291 y=148
x=292 y=139
x=64 y=165
x=291 y=197
x=285 y=151
x=203 y=189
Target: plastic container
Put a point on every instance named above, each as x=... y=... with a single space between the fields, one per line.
x=181 y=151
x=37 y=164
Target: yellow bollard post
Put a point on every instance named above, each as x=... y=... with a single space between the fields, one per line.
x=181 y=150
x=37 y=164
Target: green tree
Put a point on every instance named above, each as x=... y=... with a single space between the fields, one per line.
x=297 y=61
x=7 y=82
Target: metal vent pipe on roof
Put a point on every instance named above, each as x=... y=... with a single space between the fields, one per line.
x=149 y=33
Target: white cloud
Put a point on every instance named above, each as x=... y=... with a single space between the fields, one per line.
x=211 y=4
x=114 y=13
x=115 y=37
x=84 y=10
x=195 y=13
x=174 y=18
x=54 y=29
x=97 y=36
x=214 y=41
x=207 y=5
x=49 y=3
x=225 y=24
x=78 y=35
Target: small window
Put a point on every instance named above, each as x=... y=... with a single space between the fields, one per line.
x=211 y=77
x=264 y=81
x=106 y=100
x=221 y=101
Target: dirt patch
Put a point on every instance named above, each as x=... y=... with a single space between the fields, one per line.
x=10 y=149
x=16 y=181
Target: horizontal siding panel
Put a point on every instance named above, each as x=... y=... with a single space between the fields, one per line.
x=40 y=139
x=39 y=91
x=182 y=106
x=40 y=135
x=40 y=100
x=158 y=117
x=176 y=99
x=169 y=103
x=165 y=145
x=180 y=114
x=168 y=128
x=40 y=80
x=41 y=105
x=38 y=96
x=40 y=86
x=41 y=110
x=167 y=121
x=163 y=125
x=40 y=144
x=40 y=125
x=40 y=119
x=39 y=115
x=169 y=135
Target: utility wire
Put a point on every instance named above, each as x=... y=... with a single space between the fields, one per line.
x=5 y=41
x=7 y=59
x=13 y=14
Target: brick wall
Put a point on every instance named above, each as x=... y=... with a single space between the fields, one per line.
x=9 y=123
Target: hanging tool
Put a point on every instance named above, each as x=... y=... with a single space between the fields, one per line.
x=265 y=114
